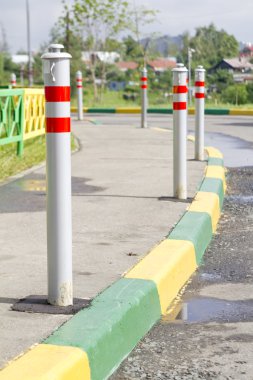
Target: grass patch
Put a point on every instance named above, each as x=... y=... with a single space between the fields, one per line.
x=34 y=154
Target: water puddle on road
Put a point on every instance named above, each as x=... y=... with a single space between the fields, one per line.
x=208 y=309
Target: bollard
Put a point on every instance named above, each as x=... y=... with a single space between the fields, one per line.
x=59 y=224
x=79 y=89
x=179 y=131
x=199 y=112
x=13 y=80
x=144 y=97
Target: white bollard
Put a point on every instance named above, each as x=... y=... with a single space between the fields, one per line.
x=144 y=97
x=59 y=224
x=199 y=112
x=13 y=80
x=180 y=131
x=79 y=90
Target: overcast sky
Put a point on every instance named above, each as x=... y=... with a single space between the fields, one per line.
x=174 y=17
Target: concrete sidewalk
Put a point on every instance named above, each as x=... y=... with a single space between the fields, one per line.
x=122 y=207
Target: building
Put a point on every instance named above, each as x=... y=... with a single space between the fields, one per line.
x=160 y=65
x=240 y=68
x=127 y=65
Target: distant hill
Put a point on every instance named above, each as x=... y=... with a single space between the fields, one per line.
x=164 y=45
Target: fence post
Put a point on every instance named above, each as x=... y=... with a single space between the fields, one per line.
x=144 y=97
x=179 y=131
x=56 y=72
x=79 y=88
x=13 y=80
x=199 y=112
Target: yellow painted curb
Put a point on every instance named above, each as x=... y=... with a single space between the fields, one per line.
x=216 y=172
x=207 y=202
x=49 y=362
x=169 y=265
x=241 y=112
x=213 y=152
x=128 y=110
x=191 y=111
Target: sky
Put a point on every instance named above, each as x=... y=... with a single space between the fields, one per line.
x=174 y=17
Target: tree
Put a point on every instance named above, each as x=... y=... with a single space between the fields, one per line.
x=140 y=17
x=221 y=79
x=66 y=33
x=100 y=21
x=236 y=94
x=211 y=46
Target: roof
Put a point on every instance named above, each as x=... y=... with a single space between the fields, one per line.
x=130 y=65
x=104 y=56
x=238 y=63
x=162 y=64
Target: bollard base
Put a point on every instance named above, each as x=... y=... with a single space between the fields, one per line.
x=39 y=304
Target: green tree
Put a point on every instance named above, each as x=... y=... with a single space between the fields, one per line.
x=221 y=79
x=140 y=17
x=100 y=21
x=250 y=92
x=65 y=32
x=211 y=46
x=236 y=94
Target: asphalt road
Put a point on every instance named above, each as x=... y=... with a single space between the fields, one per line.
x=208 y=333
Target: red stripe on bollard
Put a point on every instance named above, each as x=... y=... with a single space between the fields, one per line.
x=144 y=86
x=79 y=86
x=199 y=84
x=144 y=79
x=180 y=89
x=57 y=125
x=199 y=95
x=57 y=93
x=177 y=106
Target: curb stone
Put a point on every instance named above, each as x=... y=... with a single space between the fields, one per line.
x=93 y=343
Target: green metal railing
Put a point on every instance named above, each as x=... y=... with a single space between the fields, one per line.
x=12 y=118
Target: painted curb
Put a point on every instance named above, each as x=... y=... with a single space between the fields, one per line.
x=93 y=343
x=191 y=111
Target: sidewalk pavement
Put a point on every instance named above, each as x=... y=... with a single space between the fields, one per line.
x=122 y=207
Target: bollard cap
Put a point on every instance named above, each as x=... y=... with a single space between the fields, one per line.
x=180 y=68
x=144 y=70
x=54 y=52
x=78 y=73
x=200 y=68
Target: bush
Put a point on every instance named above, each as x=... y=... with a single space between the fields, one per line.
x=236 y=94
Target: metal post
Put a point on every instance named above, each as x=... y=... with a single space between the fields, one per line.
x=13 y=80
x=144 y=97
x=199 y=112
x=79 y=89
x=180 y=131
x=30 y=73
x=56 y=72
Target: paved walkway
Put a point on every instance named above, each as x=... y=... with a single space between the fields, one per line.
x=122 y=207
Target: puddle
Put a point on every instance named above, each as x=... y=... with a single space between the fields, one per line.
x=208 y=309
x=210 y=276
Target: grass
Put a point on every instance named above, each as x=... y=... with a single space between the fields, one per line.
x=114 y=99
x=34 y=154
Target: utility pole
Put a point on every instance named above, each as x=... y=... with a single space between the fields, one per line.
x=30 y=73
x=190 y=51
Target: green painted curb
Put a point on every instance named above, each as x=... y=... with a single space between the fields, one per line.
x=215 y=161
x=200 y=235
x=101 y=110
x=210 y=111
x=109 y=329
x=213 y=185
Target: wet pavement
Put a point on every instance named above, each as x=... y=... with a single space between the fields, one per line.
x=208 y=331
